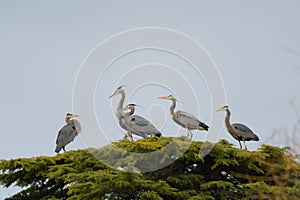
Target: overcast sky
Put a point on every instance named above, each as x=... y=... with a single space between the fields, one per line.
x=254 y=44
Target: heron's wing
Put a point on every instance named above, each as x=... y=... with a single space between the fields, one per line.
x=190 y=121
x=140 y=121
x=242 y=128
x=245 y=132
x=142 y=125
x=66 y=134
x=187 y=118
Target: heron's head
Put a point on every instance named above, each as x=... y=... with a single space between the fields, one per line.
x=70 y=116
x=170 y=97
x=223 y=108
x=118 y=91
x=130 y=106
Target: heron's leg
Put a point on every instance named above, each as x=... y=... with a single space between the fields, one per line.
x=145 y=136
x=245 y=144
x=240 y=144
x=188 y=133
x=129 y=133
x=64 y=149
x=126 y=135
x=191 y=134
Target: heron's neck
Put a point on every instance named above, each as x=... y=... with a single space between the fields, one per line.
x=120 y=105
x=227 y=118
x=120 y=113
x=172 y=107
x=121 y=102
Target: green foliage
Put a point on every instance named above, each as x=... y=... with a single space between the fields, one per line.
x=224 y=173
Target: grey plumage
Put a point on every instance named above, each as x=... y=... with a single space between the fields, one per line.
x=139 y=125
x=67 y=133
x=245 y=132
x=188 y=120
x=238 y=131
x=185 y=119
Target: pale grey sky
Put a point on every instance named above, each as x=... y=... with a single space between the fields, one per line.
x=255 y=44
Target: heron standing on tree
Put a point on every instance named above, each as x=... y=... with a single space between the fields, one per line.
x=68 y=132
x=184 y=119
x=240 y=132
x=137 y=124
x=120 y=115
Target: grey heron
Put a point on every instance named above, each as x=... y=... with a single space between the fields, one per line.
x=238 y=131
x=137 y=124
x=120 y=91
x=184 y=119
x=68 y=132
x=120 y=115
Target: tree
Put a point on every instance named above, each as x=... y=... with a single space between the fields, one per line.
x=225 y=173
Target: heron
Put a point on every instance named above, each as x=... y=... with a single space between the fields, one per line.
x=120 y=115
x=184 y=119
x=120 y=91
x=137 y=124
x=238 y=131
x=68 y=132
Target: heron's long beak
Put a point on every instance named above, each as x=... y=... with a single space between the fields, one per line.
x=111 y=96
x=219 y=110
x=163 y=97
x=73 y=116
